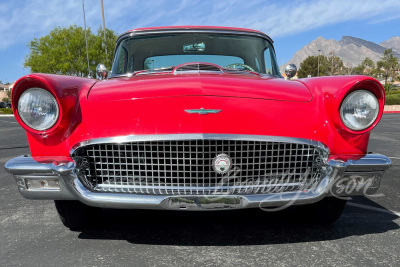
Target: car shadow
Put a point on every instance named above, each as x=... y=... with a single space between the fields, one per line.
x=235 y=228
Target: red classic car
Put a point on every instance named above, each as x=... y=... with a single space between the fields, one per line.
x=201 y=119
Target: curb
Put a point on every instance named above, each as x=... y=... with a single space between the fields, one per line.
x=391 y=112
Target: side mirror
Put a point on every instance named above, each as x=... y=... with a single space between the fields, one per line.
x=101 y=71
x=290 y=71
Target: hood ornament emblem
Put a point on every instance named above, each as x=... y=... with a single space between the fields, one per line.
x=222 y=163
x=202 y=111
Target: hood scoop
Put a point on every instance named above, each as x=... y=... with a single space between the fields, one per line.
x=197 y=67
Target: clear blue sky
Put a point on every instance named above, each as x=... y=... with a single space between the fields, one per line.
x=292 y=24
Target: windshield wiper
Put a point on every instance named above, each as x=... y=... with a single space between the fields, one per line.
x=240 y=71
x=162 y=69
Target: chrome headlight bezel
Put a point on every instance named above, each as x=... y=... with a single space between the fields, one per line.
x=359 y=110
x=40 y=103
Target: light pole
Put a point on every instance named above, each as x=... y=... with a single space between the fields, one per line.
x=319 y=53
x=104 y=30
x=87 y=51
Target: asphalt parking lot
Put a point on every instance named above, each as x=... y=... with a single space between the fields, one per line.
x=367 y=234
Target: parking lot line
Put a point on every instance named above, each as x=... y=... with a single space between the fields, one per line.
x=373 y=208
x=9 y=121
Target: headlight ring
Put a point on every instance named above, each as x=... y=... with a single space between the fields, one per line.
x=38 y=109
x=359 y=110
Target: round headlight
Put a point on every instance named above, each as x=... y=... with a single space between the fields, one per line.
x=38 y=109
x=359 y=110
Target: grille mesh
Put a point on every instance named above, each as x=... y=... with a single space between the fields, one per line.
x=186 y=167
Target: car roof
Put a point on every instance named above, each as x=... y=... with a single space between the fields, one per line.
x=194 y=28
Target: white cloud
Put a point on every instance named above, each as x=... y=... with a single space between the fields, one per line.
x=21 y=21
x=304 y=16
x=285 y=18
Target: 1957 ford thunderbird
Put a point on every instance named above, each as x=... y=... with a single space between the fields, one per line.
x=201 y=119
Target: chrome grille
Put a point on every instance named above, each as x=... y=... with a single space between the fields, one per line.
x=185 y=167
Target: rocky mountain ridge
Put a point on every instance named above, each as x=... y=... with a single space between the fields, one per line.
x=393 y=43
x=350 y=49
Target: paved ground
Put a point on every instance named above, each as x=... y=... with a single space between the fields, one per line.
x=366 y=234
x=392 y=108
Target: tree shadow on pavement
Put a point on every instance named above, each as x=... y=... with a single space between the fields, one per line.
x=235 y=228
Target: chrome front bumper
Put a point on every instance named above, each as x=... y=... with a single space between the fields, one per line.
x=58 y=182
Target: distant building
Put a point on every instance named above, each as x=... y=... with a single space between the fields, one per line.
x=10 y=87
x=3 y=94
x=7 y=87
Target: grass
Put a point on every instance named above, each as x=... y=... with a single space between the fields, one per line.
x=395 y=92
x=6 y=111
x=393 y=99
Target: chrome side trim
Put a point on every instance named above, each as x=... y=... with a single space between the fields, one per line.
x=193 y=136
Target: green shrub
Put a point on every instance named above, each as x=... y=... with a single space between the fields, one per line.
x=393 y=99
x=6 y=111
x=392 y=88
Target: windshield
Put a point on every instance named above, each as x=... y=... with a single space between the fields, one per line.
x=166 y=51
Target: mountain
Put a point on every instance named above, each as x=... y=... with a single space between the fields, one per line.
x=348 y=40
x=350 y=49
x=393 y=43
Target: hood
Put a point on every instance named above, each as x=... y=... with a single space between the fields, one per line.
x=219 y=85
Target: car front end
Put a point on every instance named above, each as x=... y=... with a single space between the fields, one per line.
x=197 y=136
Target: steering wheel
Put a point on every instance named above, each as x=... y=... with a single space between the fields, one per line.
x=243 y=66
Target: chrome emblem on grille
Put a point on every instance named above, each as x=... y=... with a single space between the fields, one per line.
x=222 y=163
x=202 y=111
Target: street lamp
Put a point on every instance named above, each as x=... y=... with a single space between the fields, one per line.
x=319 y=53
x=104 y=30
x=87 y=51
